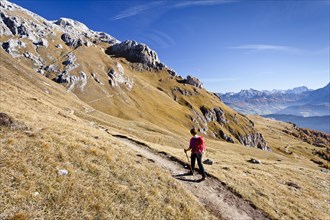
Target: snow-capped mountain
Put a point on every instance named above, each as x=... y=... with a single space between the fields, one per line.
x=263 y=102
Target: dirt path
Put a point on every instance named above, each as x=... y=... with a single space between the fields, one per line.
x=212 y=193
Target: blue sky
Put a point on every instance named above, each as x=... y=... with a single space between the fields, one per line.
x=229 y=45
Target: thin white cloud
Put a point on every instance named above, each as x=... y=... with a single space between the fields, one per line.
x=135 y=10
x=185 y=4
x=167 y=5
x=160 y=38
x=265 y=47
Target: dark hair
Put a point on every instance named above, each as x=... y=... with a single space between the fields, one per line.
x=193 y=131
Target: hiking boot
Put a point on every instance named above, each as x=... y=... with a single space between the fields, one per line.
x=190 y=173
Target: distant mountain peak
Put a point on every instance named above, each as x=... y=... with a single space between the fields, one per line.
x=312 y=102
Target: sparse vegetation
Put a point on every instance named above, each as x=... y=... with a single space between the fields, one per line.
x=107 y=180
x=57 y=129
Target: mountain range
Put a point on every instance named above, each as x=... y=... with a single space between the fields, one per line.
x=298 y=101
x=95 y=128
x=303 y=106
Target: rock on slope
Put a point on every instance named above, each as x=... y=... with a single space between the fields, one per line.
x=126 y=80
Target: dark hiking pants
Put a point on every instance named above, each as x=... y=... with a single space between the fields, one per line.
x=199 y=161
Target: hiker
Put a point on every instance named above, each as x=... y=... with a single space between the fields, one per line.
x=197 y=147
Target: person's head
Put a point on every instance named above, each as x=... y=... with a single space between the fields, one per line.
x=193 y=131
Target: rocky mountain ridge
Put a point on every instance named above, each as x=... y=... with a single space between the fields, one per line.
x=299 y=101
x=123 y=79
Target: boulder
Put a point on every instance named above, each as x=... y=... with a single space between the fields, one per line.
x=7 y=121
x=208 y=162
x=254 y=161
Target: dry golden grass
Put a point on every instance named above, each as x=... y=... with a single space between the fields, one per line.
x=106 y=180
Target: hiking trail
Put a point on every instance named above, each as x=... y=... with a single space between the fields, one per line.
x=217 y=198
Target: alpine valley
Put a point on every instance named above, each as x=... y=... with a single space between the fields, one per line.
x=92 y=128
x=305 y=107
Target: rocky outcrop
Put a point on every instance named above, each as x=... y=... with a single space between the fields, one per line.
x=137 y=53
x=71 y=42
x=15 y=25
x=172 y=72
x=11 y=46
x=182 y=91
x=52 y=68
x=41 y=43
x=37 y=60
x=117 y=78
x=216 y=114
x=72 y=81
x=254 y=140
x=225 y=137
x=70 y=62
x=194 y=82
x=94 y=76
x=81 y=34
x=33 y=29
x=312 y=137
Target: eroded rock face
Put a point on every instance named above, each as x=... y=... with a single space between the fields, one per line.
x=254 y=140
x=225 y=137
x=77 y=34
x=118 y=78
x=33 y=29
x=194 y=82
x=37 y=60
x=316 y=138
x=72 y=81
x=216 y=114
x=70 y=62
x=138 y=53
x=11 y=46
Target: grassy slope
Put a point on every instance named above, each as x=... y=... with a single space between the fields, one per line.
x=70 y=134
x=267 y=185
x=106 y=180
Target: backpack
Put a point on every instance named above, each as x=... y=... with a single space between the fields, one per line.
x=200 y=147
